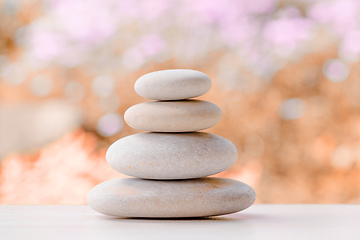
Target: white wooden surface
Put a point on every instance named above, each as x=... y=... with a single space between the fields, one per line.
x=257 y=222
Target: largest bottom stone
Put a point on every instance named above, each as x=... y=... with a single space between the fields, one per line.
x=133 y=197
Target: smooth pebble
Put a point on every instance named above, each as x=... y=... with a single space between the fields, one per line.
x=173 y=84
x=171 y=155
x=134 y=197
x=173 y=116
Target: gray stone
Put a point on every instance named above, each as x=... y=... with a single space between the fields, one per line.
x=173 y=84
x=173 y=116
x=171 y=155
x=134 y=197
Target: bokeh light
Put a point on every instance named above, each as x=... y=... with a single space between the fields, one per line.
x=292 y=109
x=109 y=124
x=41 y=85
x=103 y=85
x=13 y=74
x=336 y=70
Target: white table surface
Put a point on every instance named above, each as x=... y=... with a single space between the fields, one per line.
x=257 y=222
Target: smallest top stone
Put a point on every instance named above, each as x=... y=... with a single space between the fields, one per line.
x=173 y=84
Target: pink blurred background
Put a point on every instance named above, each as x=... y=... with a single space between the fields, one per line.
x=285 y=73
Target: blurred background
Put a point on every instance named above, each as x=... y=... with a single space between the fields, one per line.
x=285 y=73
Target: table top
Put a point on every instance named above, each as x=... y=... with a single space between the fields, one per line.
x=261 y=221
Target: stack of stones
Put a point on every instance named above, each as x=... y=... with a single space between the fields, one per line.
x=171 y=162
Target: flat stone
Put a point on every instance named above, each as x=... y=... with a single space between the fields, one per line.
x=171 y=155
x=173 y=84
x=201 y=197
x=173 y=116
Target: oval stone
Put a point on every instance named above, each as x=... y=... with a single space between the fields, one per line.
x=171 y=155
x=173 y=84
x=134 y=197
x=173 y=116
